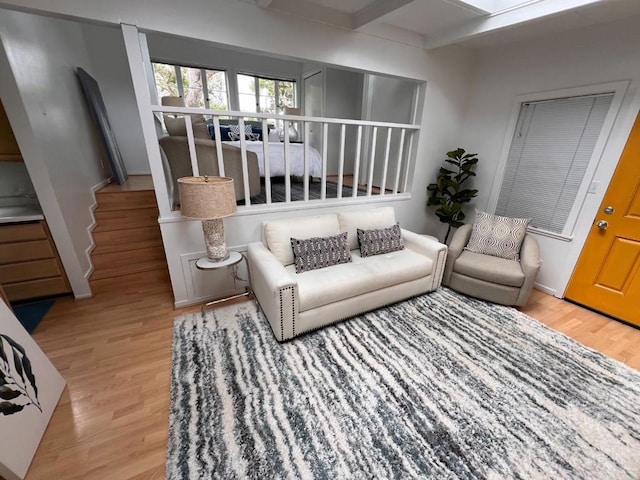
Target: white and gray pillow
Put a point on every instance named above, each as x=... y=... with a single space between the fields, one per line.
x=379 y=241
x=234 y=132
x=497 y=236
x=318 y=252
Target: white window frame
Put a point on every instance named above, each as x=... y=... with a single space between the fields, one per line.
x=619 y=89
x=256 y=79
x=203 y=76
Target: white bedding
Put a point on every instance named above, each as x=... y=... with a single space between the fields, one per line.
x=276 y=158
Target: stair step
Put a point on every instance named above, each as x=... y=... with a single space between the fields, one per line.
x=126 y=239
x=131 y=269
x=116 y=260
x=125 y=219
x=125 y=247
x=152 y=279
x=109 y=201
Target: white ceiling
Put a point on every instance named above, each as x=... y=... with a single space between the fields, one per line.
x=437 y=23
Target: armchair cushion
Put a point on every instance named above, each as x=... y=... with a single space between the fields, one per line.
x=489 y=268
x=497 y=236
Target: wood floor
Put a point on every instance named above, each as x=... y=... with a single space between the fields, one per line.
x=115 y=352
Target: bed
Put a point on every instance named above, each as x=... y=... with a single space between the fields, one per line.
x=276 y=158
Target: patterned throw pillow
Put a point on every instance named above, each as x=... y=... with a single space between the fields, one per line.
x=497 y=236
x=313 y=253
x=383 y=240
x=234 y=131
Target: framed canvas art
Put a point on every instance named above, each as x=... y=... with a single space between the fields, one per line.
x=30 y=387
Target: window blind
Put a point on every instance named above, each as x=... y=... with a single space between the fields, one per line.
x=550 y=151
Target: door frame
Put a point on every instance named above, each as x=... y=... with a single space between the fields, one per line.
x=613 y=149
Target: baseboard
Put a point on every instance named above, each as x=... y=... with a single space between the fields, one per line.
x=545 y=289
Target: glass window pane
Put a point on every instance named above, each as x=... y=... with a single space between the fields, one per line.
x=246 y=84
x=165 y=78
x=287 y=94
x=217 y=87
x=192 y=86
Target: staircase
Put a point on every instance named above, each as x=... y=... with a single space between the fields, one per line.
x=127 y=235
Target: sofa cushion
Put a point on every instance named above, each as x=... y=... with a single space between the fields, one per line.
x=362 y=275
x=498 y=236
x=313 y=253
x=365 y=220
x=490 y=269
x=277 y=234
x=381 y=240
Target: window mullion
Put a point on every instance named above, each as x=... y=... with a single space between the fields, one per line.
x=205 y=87
x=256 y=81
x=179 y=81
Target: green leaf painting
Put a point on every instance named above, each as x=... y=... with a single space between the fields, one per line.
x=18 y=387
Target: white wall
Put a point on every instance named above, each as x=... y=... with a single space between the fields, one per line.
x=446 y=72
x=597 y=54
x=52 y=125
x=110 y=68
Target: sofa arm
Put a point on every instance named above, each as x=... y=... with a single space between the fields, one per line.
x=430 y=248
x=530 y=264
x=458 y=242
x=275 y=289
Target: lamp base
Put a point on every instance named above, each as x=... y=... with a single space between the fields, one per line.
x=214 y=240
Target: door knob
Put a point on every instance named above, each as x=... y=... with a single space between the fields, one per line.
x=602 y=224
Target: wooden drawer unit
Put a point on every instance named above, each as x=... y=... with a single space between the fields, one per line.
x=29 y=263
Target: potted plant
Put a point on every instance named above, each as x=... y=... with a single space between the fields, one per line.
x=448 y=193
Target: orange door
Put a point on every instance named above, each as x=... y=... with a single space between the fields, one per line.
x=607 y=276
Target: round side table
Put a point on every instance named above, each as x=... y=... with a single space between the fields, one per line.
x=232 y=261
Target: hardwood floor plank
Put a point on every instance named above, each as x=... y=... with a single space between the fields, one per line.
x=115 y=352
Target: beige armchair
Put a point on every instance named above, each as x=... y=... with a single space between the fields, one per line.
x=176 y=149
x=508 y=282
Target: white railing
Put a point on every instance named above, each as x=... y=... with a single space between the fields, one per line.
x=393 y=162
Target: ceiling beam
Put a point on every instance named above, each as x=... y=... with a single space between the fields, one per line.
x=502 y=20
x=376 y=12
x=314 y=11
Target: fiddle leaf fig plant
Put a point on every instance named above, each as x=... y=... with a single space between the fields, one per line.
x=447 y=193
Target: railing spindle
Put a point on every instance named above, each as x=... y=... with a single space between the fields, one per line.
x=372 y=160
x=356 y=168
x=343 y=128
x=266 y=162
x=245 y=168
x=387 y=148
x=192 y=146
x=406 y=165
x=399 y=163
x=216 y=129
x=287 y=164
x=323 y=179
x=307 y=130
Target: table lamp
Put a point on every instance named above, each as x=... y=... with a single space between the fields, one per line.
x=209 y=199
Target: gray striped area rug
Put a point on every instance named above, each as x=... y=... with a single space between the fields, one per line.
x=440 y=386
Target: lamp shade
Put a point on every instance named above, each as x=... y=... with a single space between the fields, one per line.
x=205 y=198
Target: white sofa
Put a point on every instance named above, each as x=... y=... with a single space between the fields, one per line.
x=297 y=303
